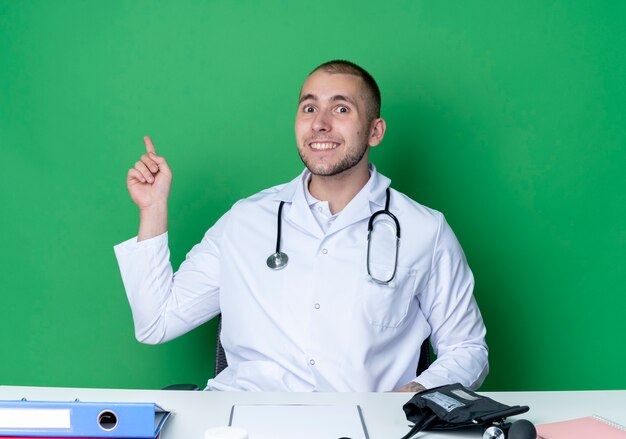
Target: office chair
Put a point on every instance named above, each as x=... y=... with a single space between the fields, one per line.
x=221 y=363
x=220 y=356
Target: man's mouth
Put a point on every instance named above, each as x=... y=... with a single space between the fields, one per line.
x=323 y=146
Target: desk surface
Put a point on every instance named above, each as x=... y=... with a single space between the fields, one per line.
x=197 y=411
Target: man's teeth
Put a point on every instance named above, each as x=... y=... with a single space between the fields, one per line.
x=323 y=145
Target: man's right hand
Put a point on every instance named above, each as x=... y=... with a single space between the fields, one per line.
x=149 y=183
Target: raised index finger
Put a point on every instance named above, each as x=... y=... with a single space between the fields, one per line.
x=149 y=146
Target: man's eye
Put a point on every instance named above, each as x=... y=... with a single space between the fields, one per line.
x=308 y=109
x=342 y=109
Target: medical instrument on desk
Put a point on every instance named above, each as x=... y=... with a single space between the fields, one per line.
x=279 y=260
x=520 y=429
x=455 y=406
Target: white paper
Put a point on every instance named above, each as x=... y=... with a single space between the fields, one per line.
x=291 y=421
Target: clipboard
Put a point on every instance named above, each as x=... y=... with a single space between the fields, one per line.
x=288 y=421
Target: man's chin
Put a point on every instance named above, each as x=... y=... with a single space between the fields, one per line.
x=323 y=170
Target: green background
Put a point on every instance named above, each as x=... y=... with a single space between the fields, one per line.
x=507 y=116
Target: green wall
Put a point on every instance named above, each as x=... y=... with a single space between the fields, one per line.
x=507 y=116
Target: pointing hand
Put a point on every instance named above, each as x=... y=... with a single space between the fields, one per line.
x=149 y=181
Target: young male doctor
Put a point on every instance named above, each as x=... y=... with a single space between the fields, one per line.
x=328 y=310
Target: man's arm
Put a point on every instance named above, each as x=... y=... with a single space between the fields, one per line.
x=164 y=306
x=458 y=331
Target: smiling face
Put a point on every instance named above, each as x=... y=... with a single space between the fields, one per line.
x=333 y=128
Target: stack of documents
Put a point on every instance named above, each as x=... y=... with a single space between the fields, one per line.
x=582 y=428
x=77 y=419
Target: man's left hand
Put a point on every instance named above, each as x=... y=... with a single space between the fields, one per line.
x=411 y=387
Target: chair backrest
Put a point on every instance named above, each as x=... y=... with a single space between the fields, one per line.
x=424 y=362
x=220 y=355
x=221 y=363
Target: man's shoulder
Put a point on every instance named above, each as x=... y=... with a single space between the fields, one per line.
x=268 y=197
x=270 y=193
x=402 y=204
x=423 y=221
x=407 y=206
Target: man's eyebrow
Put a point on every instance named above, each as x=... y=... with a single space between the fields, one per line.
x=334 y=98
x=343 y=98
x=307 y=97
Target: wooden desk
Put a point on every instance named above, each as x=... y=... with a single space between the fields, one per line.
x=197 y=411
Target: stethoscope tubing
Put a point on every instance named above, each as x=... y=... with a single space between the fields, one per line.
x=370 y=227
x=279 y=227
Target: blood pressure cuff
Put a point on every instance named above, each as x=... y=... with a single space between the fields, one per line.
x=454 y=406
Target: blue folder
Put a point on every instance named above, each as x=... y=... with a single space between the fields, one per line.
x=81 y=419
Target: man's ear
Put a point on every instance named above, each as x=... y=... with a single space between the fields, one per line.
x=377 y=131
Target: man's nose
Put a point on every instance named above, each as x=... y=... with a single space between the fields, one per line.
x=322 y=122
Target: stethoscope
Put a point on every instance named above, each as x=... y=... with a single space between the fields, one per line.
x=279 y=260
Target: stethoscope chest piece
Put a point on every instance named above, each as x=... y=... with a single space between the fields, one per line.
x=277 y=261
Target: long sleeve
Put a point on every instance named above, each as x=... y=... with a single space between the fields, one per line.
x=458 y=332
x=166 y=305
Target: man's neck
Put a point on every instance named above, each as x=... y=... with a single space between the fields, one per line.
x=339 y=189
